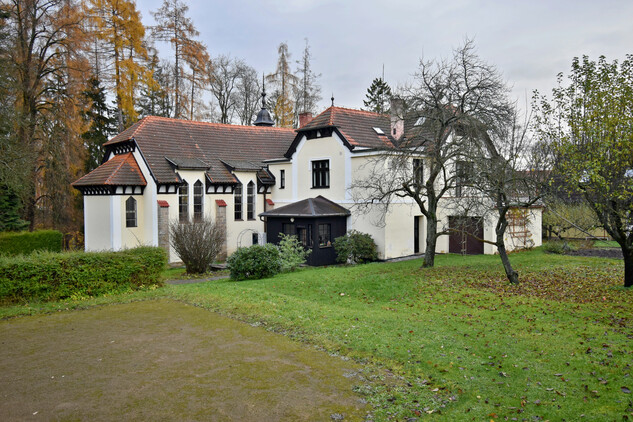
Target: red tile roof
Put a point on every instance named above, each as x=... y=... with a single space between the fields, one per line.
x=220 y=202
x=357 y=126
x=160 y=137
x=269 y=201
x=121 y=170
x=163 y=203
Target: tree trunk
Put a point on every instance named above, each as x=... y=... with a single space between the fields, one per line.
x=431 y=242
x=513 y=276
x=628 y=267
x=500 y=231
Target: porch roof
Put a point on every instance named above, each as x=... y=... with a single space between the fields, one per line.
x=311 y=207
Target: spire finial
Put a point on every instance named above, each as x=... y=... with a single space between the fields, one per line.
x=332 y=99
x=263 y=117
x=263 y=91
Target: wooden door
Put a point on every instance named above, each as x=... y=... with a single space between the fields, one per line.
x=465 y=235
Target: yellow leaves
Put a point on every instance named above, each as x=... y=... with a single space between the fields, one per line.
x=118 y=24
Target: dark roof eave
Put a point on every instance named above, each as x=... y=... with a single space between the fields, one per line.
x=273 y=214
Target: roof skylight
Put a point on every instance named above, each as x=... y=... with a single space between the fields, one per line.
x=379 y=131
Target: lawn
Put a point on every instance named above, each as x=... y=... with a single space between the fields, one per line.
x=454 y=342
x=457 y=341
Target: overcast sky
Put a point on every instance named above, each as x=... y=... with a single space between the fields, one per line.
x=530 y=42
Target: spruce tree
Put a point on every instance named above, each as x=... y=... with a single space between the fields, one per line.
x=378 y=96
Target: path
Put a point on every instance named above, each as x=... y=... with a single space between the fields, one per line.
x=163 y=360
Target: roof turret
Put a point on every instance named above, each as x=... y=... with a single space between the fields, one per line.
x=263 y=117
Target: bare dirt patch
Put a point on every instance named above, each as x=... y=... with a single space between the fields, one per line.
x=163 y=360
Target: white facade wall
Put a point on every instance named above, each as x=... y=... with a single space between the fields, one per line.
x=97 y=223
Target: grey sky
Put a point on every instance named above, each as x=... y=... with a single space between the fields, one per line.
x=530 y=42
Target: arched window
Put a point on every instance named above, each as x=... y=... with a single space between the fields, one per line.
x=250 y=201
x=183 y=202
x=237 y=201
x=198 y=205
x=130 y=212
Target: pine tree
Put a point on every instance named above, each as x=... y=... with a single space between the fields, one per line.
x=9 y=211
x=102 y=123
x=378 y=96
x=156 y=98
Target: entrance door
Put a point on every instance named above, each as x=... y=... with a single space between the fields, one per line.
x=465 y=235
x=416 y=234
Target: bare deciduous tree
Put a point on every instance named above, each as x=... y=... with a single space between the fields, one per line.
x=436 y=111
x=197 y=243
x=505 y=182
x=247 y=95
x=308 y=90
x=224 y=76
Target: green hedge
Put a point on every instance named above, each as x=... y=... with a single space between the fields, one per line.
x=18 y=243
x=48 y=276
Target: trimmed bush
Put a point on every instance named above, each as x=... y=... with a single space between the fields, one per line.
x=46 y=276
x=255 y=262
x=19 y=243
x=292 y=252
x=355 y=248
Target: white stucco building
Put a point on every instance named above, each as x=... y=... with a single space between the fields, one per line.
x=259 y=181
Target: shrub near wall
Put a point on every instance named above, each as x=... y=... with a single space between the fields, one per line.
x=255 y=262
x=53 y=276
x=16 y=243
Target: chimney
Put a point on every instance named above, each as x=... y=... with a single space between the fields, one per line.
x=397 y=118
x=304 y=118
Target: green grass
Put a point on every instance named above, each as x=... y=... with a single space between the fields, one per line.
x=456 y=342
x=180 y=273
x=606 y=244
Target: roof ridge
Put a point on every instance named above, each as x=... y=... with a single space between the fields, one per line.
x=355 y=110
x=215 y=124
